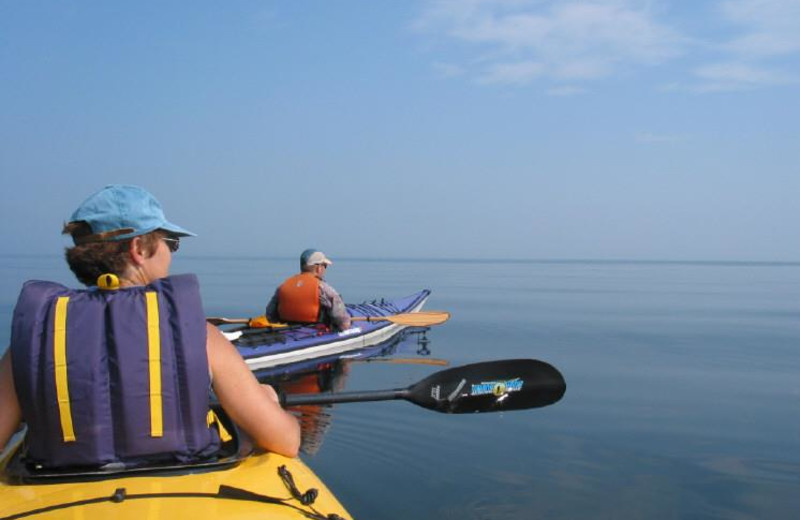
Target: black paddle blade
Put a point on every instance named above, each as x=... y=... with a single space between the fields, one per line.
x=492 y=386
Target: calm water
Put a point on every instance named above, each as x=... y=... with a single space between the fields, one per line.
x=683 y=393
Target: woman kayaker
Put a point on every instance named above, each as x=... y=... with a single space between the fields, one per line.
x=307 y=298
x=120 y=373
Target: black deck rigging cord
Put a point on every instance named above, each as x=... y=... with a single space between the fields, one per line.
x=224 y=493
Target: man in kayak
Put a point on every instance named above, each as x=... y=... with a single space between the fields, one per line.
x=307 y=298
x=120 y=373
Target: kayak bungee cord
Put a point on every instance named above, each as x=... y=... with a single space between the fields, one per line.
x=224 y=493
x=306 y=498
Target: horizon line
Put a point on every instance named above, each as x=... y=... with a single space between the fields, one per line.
x=497 y=260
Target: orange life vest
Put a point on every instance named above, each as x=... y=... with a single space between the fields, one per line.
x=298 y=299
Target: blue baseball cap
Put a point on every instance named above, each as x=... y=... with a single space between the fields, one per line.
x=121 y=211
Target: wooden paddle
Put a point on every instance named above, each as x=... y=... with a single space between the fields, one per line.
x=491 y=386
x=410 y=319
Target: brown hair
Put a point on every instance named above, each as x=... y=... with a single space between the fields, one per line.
x=90 y=260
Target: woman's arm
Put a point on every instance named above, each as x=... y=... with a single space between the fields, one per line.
x=251 y=405
x=10 y=414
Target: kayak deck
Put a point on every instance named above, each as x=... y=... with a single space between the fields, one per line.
x=267 y=348
x=251 y=489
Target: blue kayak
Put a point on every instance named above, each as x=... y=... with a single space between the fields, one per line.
x=268 y=348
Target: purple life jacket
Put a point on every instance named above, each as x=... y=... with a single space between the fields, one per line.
x=113 y=376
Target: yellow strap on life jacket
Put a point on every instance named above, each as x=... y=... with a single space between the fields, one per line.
x=154 y=363
x=60 y=362
x=213 y=420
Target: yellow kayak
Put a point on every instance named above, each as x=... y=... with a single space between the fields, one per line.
x=258 y=486
x=236 y=485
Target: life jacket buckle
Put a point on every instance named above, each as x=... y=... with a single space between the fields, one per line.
x=108 y=282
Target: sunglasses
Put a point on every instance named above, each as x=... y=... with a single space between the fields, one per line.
x=172 y=243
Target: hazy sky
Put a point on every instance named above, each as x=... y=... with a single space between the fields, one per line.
x=452 y=129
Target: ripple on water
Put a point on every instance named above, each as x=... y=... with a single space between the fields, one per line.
x=382 y=432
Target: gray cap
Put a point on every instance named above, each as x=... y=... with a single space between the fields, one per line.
x=314 y=257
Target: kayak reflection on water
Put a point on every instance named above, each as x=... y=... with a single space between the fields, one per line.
x=315 y=419
x=410 y=346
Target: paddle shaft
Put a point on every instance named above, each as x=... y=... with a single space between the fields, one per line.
x=344 y=397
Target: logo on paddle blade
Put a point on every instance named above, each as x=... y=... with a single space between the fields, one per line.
x=497 y=388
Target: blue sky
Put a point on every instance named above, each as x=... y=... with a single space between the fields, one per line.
x=536 y=129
